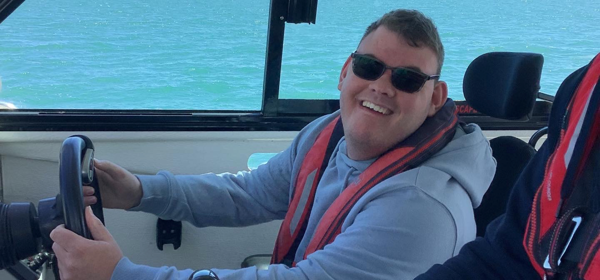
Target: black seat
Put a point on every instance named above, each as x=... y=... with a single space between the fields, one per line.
x=503 y=85
x=511 y=154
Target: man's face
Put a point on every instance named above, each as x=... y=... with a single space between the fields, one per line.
x=368 y=132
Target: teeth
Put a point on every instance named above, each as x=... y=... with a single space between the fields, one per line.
x=375 y=108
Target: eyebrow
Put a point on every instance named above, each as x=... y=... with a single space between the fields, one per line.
x=414 y=68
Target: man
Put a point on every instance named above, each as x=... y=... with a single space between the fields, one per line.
x=551 y=227
x=390 y=198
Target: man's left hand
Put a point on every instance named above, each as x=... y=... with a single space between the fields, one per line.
x=81 y=258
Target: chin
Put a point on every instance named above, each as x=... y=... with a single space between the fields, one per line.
x=359 y=136
x=366 y=141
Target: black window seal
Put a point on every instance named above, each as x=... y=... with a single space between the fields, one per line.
x=7 y=7
x=294 y=115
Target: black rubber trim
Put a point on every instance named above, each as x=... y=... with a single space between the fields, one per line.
x=288 y=120
x=7 y=7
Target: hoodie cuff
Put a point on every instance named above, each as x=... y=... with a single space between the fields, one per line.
x=126 y=270
x=156 y=193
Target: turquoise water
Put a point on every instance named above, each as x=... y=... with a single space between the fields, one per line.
x=201 y=54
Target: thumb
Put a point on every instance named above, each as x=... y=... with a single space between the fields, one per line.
x=101 y=164
x=97 y=229
x=105 y=166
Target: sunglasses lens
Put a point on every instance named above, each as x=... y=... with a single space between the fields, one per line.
x=407 y=80
x=367 y=68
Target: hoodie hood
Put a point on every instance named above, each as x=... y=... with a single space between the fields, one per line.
x=468 y=159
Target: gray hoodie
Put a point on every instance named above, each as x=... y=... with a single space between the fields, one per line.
x=397 y=230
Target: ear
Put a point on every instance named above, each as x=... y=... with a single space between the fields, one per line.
x=438 y=98
x=344 y=72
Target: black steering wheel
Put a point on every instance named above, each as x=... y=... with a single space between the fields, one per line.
x=76 y=170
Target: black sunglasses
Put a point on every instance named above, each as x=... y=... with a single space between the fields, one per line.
x=404 y=79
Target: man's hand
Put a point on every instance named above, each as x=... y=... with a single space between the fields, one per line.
x=119 y=188
x=81 y=258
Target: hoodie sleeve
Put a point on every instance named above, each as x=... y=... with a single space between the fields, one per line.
x=245 y=198
x=500 y=254
x=420 y=231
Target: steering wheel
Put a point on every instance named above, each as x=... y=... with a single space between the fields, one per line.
x=76 y=170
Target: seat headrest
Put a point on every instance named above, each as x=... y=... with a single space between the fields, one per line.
x=504 y=84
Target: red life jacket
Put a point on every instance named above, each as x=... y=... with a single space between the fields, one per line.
x=431 y=137
x=562 y=236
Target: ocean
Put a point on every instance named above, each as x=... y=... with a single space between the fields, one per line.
x=210 y=55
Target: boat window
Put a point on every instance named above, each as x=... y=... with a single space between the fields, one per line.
x=197 y=65
x=257 y=159
x=158 y=55
x=565 y=33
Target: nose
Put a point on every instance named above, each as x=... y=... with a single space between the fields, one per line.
x=383 y=85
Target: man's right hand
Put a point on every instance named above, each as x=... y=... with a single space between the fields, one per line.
x=119 y=188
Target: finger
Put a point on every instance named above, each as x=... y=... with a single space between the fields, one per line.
x=97 y=161
x=59 y=251
x=89 y=200
x=87 y=190
x=103 y=165
x=103 y=176
x=65 y=238
x=111 y=170
x=97 y=229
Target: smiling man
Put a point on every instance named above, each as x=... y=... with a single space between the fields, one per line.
x=382 y=189
x=380 y=108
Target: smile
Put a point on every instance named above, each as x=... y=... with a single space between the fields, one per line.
x=375 y=108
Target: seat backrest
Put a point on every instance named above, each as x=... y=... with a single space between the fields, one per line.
x=503 y=85
x=511 y=154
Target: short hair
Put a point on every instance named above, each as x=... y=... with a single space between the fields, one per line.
x=417 y=29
